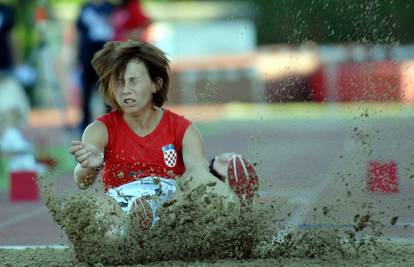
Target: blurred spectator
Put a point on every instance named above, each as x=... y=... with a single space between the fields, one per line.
x=6 y=25
x=14 y=105
x=94 y=27
x=130 y=21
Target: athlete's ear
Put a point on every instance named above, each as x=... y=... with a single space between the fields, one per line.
x=158 y=84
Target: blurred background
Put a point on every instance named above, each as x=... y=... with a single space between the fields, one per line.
x=318 y=94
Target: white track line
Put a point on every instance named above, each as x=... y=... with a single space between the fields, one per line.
x=22 y=217
x=299 y=217
x=34 y=247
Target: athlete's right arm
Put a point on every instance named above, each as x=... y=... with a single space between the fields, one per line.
x=89 y=154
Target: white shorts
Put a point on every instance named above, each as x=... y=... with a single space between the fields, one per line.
x=154 y=189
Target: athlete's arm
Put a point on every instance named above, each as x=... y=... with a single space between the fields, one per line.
x=196 y=165
x=89 y=154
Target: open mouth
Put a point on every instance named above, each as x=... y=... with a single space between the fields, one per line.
x=129 y=101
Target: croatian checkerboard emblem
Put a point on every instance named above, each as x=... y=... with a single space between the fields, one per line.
x=170 y=155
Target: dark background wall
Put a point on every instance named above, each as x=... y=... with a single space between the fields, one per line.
x=333 y=21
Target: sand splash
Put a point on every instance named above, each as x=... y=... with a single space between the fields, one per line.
x=202 y=227
x=199 y=227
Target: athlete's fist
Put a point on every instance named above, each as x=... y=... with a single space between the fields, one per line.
x=87 y=155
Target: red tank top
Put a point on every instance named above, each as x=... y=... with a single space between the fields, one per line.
x=129 y=157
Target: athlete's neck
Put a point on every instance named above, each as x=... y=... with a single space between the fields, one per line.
x=144 y=122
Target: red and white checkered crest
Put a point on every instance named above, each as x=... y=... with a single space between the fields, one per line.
x=170 y=155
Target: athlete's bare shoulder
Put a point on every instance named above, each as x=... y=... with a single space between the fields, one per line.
x=96 y=133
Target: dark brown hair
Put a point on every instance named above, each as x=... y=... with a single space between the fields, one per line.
x=110 y=63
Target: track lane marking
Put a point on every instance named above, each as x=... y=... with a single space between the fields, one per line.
x=22 y=217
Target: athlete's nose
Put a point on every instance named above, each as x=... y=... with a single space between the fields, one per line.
x=126 y=89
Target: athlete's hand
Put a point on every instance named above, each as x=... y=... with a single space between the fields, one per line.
x=87 y=155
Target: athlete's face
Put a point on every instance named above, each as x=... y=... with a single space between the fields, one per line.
x=133 y=92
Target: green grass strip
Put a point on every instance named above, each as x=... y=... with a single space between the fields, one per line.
x=4 y=174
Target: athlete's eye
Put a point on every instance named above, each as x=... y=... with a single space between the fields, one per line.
x=133 y=80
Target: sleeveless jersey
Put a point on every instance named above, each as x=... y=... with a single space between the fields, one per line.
x=129 y=157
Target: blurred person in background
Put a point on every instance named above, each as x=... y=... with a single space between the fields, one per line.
x=95 y=29
x=14 y=103
x=6 y=25
x=144 y=149
x=130 y=21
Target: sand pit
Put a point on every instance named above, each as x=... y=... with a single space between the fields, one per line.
x=201 y=230
x=391 y=254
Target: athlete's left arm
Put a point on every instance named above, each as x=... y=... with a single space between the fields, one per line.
x=196 y=166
